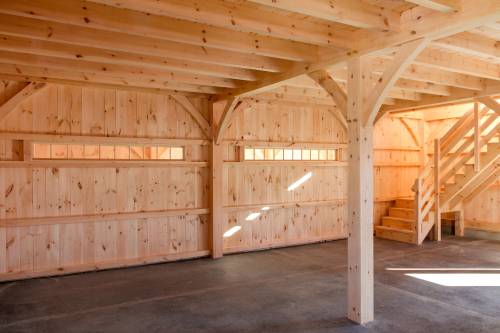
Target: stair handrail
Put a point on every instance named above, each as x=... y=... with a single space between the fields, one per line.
x=428 y=183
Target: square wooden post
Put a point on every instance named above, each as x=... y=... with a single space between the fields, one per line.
x=360 y=196
x=216 y=187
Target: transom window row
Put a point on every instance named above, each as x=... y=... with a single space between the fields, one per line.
x=287 y=154
x=106 y=152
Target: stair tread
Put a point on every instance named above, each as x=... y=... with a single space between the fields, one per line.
x=398 y=219
x=405 y=231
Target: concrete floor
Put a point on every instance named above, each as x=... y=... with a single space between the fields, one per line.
x=299 y=289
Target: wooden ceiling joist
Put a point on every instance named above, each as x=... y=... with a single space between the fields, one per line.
x=445 y=6
x=458 y=95
x=42 y=74
x=458 y=63
x=122 y=71
x=242 y=17
x=29 y=90
x=436 y=76
x=417 y=24
x=88 y=14
x=472 y=44
x=67 y=51
x=119 y=41
x=354 y=13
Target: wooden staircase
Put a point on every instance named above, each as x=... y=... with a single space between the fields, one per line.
x=465 y=161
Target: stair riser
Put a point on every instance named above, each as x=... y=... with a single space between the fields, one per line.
x=396 y=236
x=402 y=213
x=404 y=203
x=398 y=224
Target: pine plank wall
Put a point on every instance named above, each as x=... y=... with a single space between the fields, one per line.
x=59 y=218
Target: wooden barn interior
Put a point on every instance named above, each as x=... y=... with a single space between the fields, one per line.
x=249 y=166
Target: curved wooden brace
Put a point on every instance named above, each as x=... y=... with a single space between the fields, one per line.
x=29 y=90
x=405 y=55
x=339 y=97
x=194 y=112
x=232 y=106
x=411 y=130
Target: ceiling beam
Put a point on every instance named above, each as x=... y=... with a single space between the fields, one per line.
x=417 y=24
x=421 y=73
x=42 y=74
x=472 y=44
x=22 y=95
x=88 y=14
x=445 y=6
x=117 y=41
x=458 y=63
x=138 y=73
x=492 y=88
x=76 y=52
x=354 y=13
x=241 y=16
x=95 y=84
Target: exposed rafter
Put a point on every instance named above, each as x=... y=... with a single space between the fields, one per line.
x=445 y=6
x=492 y=88
x=242 y=17
x=355 y=13
x=120 y=41
x=88 y=14
x=417 y=24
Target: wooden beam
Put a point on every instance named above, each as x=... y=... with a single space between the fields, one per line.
x=417 y=24
x=137 y=73
x=216 y=193
x=491 y=103
x=354 y=13
x=241 y=16
x=437 y=191
x=471 y=44
x=41 y=74
x=360 y=195
x=477 y=138
x=445 y=6
x=88 y=14
x=458 y=63
x=491 y=88
x=119 y=41
x=107 y=56
x=29 y=90
x=405 y=55
x=194 y=113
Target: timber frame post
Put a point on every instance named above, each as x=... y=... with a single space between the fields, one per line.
x=216 y=184
x=360 y=301
x=365 y=96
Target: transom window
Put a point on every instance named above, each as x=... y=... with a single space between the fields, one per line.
x=106 y=151
x=289 y=154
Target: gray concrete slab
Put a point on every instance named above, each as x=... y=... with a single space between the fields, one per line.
x=297 y=289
